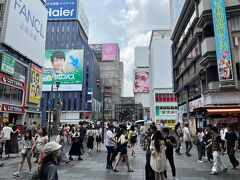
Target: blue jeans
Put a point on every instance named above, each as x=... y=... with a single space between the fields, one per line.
x=188 y=146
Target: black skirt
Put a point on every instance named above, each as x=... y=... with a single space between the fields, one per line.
x=133 y=140
x=75 y=148
x=90 y=142
x=98 y=139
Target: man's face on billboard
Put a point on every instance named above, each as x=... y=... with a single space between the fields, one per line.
x=58 y=64
x=141 y=82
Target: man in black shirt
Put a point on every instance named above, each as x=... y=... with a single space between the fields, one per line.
x=231 y=143
x=207 y=139
x=170 y=143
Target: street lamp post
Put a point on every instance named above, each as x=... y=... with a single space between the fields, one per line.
x=51 y=109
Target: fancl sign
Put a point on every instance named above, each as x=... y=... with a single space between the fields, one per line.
x=25 y=28
x=64 y=9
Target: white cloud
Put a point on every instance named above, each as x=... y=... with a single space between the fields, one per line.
x=127 y=56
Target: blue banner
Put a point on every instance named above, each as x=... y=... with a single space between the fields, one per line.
x=224 y=59
x=64 y=9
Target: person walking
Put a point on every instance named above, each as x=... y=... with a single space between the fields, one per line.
x=218 y=150
x=28 y=146
x=62 y=140
x=200 y=144
x=170 y=143
x=133 y=139
x=75 y=149
x=158 y=156
x=110 y=145
x=7 y=137
x=178 y=136
x=231 y=144
x=207 y=139
x=122 y=151
x=90 y=139
x=48 y=166
x=141 y=134
x=187 y=140
x=99 y=139
x=41 y=139
x=14 y=149
x=1 y=141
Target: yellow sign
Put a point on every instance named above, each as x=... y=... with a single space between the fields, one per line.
x=35 y=85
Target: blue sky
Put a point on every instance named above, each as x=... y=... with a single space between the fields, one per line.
x=128 y=23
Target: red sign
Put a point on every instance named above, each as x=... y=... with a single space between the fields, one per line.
x=10 y=81
x=11 y=108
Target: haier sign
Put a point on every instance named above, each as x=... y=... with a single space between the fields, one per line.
x=64 y=9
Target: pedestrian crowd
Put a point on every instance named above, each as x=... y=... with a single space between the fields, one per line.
x=211 y=144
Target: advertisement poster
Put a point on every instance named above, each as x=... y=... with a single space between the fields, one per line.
x=141 y=82
x=35 y=85
x=8 y=64
x=64 y=66
x=224 y=59
x=65 y=9
x=109 y=52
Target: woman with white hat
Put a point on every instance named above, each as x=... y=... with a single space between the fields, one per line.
x=48 y=166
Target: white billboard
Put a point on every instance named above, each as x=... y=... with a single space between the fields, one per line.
x=82 y=17
x=25 y=28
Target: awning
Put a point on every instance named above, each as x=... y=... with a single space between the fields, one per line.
x=223 y=111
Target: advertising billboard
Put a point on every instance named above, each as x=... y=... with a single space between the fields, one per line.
x=28 y=21
x=64 y=66
x=141 y=82
x=35 y=85
x=82 y=17
x=109 y=52
x=65 y=9
x=223 y=52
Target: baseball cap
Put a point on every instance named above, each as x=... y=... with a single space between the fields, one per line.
x=51 y=147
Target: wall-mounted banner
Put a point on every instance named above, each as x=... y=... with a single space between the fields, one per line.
x=35 y=85
x=224 y=59
x=64 y=66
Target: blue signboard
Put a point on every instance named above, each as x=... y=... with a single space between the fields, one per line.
x=224 y=59
x=62 y=9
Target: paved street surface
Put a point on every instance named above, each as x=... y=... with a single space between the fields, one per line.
x=93 y=167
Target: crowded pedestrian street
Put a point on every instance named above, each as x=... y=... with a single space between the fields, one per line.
x=93 y=167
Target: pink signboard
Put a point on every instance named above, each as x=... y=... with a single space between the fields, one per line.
x=109 y=52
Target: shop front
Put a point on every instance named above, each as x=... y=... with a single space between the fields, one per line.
x=12 y=99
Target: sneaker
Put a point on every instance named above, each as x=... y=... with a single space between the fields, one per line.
x=213 y=173
x=89 y=152
x=200 y=161
x=17 y=174
x=30 y=172
x=134 y=155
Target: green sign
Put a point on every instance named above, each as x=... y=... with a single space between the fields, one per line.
x=19 y=77
x=8 y=64
x=64 y=66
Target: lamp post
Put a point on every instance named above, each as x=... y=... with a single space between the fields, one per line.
x=51 y=108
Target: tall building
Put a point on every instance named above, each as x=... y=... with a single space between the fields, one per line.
x=111 y=73
x=22 y=46
x=142 y=80
x=69 y=61
x=206 y=64
x=175 y=11
x=163 y=106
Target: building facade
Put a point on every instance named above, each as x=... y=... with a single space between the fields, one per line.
x=206 y=84
x=21 y=65
x=162 y=101
x=142 y=80
x=81 y=97
x=111 y=76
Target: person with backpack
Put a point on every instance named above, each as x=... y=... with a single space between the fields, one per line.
x=48 y=166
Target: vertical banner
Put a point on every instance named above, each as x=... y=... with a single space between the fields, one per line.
x=35 y=85
x=224 y=59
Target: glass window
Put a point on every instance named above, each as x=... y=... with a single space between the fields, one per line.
x=6 y=94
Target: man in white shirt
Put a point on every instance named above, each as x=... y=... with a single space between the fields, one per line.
x=187 y=139
x=7 y=137
x=110 y=145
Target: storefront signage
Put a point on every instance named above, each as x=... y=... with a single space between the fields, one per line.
x=10 y=81
x=19 y=77
x=227 y=120
x=10 y=108
x=195 y=104
x=223 y=51
x=8 y=64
